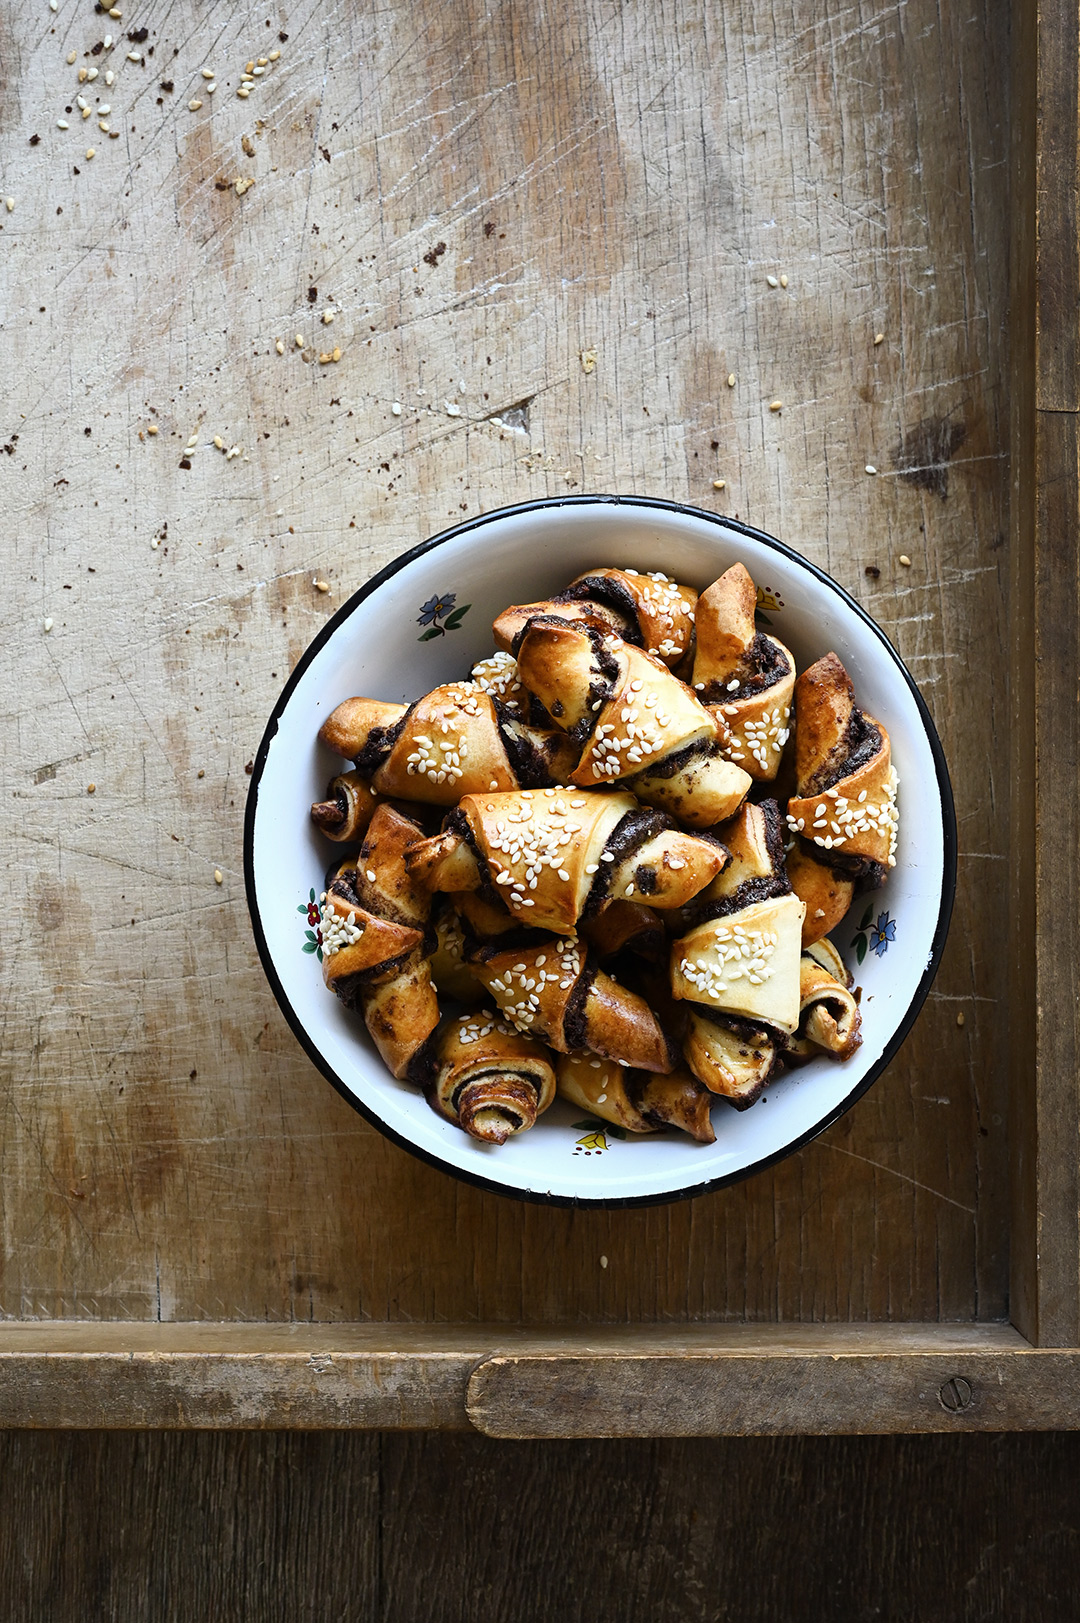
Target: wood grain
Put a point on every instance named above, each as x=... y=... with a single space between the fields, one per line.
x=1045 y=618
x=434 y=1529
x=166 y=1152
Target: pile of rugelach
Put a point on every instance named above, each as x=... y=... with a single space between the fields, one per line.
x=580 y=852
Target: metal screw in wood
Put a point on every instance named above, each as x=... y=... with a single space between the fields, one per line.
x=956 y=1394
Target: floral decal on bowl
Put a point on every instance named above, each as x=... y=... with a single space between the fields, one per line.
x=874 y=935
x=440 y=608
x=595 y=1138
x=767 y=599
x=310 y=909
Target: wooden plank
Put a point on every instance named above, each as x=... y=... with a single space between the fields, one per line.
x=674 y=1380
x=1045 y=1018
x=166 y=1152
x=692 y=1392
x=254 y=1527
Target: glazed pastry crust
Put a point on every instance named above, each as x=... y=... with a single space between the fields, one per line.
x=347 y=809
x=826 y=893
x=744 y=677
x=733 y=1061
x=648 y=609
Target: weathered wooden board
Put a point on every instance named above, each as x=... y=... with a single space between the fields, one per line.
x=453 y=1529
x=608 y=175
x=1045 y=658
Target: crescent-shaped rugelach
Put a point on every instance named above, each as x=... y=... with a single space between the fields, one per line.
x=383 y=882
x=844 y=806
x=377 y=966
x=638 y=1101
x=489 y=1080
x=827 y=894
x=547 y=986
x=647 y=609
x=829 y=1018
x=347 y=809
x=745 y=963
x=555 y=856
x=454 y=741
x=745 y=677
x=636 y=724
x=734 y=1058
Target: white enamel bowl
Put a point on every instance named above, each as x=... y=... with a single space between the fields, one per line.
x=375 y=646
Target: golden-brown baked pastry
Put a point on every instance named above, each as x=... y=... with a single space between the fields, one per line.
x=636 y=724
x=743 y=676
x=646 y=609
x=377 y=966
x=639 y=1101
x=453 y=741
x=347 y=809
x=745 y=963
x=829 y=1018
x=734 y=1058
x=845 y=801
x=451 y=974
x=547 y=986
x=488 y=1079
x=554 y=856
x=827 y=894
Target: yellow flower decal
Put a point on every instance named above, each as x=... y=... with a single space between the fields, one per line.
x=594 y=1143
x=767 y=599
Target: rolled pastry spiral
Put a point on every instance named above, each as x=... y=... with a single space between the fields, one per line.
x=647 y=609
x=844 y=807
x=636 y=724
x=547 y=987
x=453 y=741
x=639 y=1101
x=829 y=1019
x=347 y=809
x=734 y=1058
x=555 y=856
x=489 y=1080
x=743 y=676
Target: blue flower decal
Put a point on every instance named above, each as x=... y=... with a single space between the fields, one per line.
x=881 y=934
x=873 y=937
x=441 y=608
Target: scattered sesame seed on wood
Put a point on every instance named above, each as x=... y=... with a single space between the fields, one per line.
x=194 y=104
x=275 y=55
x=772 y=281
x=336 y=353
x=588 y=359
x=91 y=74
x=321 y=585
x=327 y=317
x=783 y=281
x=776 y=405
x=152 y=429
x=115 y=13
x=731 y=380
x=211 y=87
x=62 y=124
x=452 y=409
x=90 y=788
x=133 y=56
x=719 y=484
x=72 y=58
x=299 y=340
x=208 y=73
x=879 y=338
x=201 y=773
x=47 y=625
x=110 y=77
x=219 y=877
x=82 y=75
x=396 y=408
x=280 y=347
x=9 y=204
x=960 y=1019
x=870 y=468
x=905 y=560
x=242 y=93
x=90 y=152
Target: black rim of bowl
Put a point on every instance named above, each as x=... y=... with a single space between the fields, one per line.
x=948 y=874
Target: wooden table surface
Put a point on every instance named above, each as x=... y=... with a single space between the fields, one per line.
x=478 y=194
